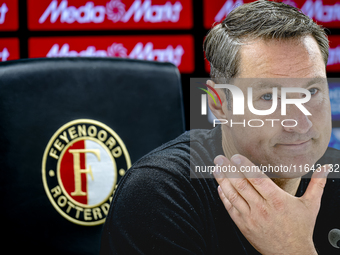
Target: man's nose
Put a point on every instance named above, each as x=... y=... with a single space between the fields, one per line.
x=302 y=123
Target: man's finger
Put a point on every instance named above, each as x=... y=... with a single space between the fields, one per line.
x=230 y=208
x=233 y=212
x=316 y=185
x=233 y=197
x=260 y=181
x=240 y=183
x=228 y=170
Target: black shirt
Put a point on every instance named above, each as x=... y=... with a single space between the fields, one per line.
x=159 y=209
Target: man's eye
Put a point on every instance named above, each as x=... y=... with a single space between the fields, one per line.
x=313 y=91
x=268 y=96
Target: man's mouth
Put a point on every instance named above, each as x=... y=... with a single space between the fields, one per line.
x=296 y=143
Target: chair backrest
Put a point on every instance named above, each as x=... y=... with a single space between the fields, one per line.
x=69 y=130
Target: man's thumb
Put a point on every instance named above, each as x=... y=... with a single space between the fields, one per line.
x=316 y=185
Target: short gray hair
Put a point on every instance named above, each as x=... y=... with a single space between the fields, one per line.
x=257 y=20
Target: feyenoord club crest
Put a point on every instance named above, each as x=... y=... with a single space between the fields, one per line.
x=81 y=166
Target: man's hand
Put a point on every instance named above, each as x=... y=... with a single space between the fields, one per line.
x=272 y=220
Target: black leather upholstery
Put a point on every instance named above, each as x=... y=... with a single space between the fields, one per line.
x=140 y=100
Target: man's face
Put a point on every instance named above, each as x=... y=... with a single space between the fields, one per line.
x=282 y=62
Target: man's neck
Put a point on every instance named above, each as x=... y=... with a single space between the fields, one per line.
x=289 y=185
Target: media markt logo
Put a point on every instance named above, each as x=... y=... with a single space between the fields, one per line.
x=3 y=11
x=4 y=54
x=81 y=165
x=139 y=51
x=314 y=9
x=115 y=11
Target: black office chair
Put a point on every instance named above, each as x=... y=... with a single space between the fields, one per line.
x=70 y=128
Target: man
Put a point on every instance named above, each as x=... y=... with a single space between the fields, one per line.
x=159 y=208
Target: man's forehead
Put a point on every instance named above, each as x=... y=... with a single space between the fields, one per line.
x=298 y=57
x=267 y=83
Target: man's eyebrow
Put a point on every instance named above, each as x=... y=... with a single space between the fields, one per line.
x=259 y=85
x=265 y=85
x=317 y=80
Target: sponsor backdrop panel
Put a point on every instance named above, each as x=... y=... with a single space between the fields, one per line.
x=109 y=14
x=218 y=11
x=9 y=15
x=9 y=49
x=333 y=64
x=206 y=65
x=334 y=95
x=142 y=29
x=335 y=139
x=325 y=12
x=177 y=49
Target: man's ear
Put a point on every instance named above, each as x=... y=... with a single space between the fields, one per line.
x=216 y=108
